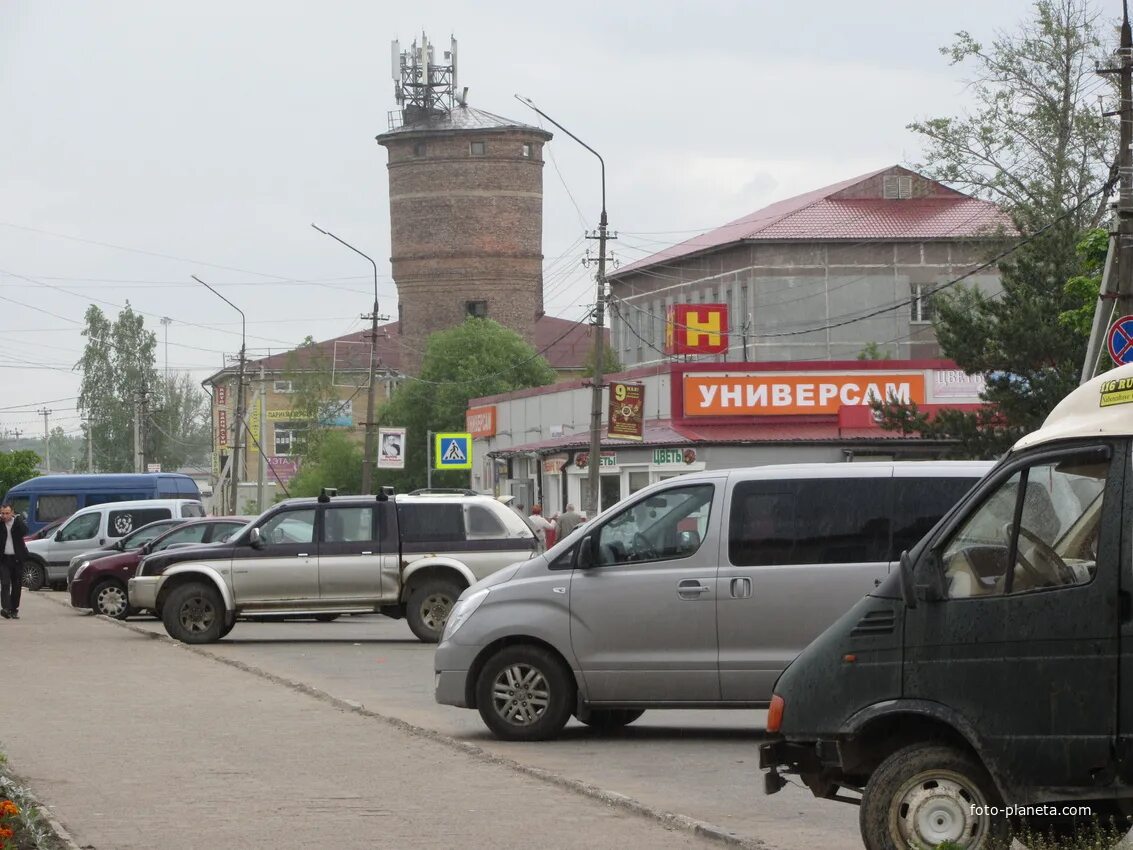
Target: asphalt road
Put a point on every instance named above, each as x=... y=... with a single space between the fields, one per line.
x=700 y=764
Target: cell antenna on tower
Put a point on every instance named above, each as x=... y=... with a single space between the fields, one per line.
x=422 y=86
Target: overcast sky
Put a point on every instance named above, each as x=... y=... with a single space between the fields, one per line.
x=147 y=141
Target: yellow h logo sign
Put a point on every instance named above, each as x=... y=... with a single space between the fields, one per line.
x=703 y=329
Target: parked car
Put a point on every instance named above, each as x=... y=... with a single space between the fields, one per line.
x=99 y=583
x=694 y=592
x=47 y=530
x=47 y=498
x=992 y=669
x=404 y=556
x=134 y=540
x=94 y=527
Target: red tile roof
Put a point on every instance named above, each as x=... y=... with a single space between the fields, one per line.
x=851 y=209
x=564 y=343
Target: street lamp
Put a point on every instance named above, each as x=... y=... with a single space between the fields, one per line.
x=239 y=430
x=595 y=472
x=370 y=447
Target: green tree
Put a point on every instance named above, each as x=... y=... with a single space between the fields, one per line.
x=16 y=467
x=178 y=428
x=1034 y=141
x=311 y=373
x=873 y=351
x=118 y=370
x=66 y=450
x=478 y=358
x=334 y=460
x=610 y=362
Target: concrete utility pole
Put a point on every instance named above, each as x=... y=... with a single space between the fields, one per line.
x=166 y=322
x=1115 y=297
x=45 y=412
x=140 y=431
x=261 y=472
x=371 y=449
x=594 y=478
x=238 y=432
x=90 y=444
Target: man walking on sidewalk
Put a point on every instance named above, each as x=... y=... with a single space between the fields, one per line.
x=13 y=553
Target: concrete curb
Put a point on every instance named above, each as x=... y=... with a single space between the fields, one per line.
x=45 y=813
x=609 y=798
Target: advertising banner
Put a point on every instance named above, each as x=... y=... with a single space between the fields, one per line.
x=626 y=419
x=696 y=328
x=786 y=394
x=391 y=448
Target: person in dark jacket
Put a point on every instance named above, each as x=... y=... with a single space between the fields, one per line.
x=13 y=553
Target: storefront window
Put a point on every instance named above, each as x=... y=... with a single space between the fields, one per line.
x=637 y=480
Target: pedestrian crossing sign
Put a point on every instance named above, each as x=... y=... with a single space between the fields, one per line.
x=452 y=451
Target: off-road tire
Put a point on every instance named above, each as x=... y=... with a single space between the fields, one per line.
x=105 y=596
x=610 y=719
x=430 y=603
x=35 y=574
x=194 y=613
x=922 y=795
x=523 y=680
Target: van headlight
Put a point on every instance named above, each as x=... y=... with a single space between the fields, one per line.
x=462 y=610
x=80 y=570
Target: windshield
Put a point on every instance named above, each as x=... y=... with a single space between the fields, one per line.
x=144 y=535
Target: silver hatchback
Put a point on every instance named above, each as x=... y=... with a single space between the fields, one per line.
x=694 y=593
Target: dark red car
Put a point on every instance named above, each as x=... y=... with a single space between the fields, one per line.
x=101 y=584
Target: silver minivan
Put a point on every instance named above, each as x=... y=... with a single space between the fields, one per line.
x=696 y=592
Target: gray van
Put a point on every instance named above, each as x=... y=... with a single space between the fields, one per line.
x=694 y=593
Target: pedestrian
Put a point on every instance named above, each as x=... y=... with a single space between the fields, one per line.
x=540 y=524
x=568 y=521
x=13 y=553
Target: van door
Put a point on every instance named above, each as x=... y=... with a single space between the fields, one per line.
x=350 y=556
x=800 y=554
x=1023 y=642
x=643 y=618
x=285 y=568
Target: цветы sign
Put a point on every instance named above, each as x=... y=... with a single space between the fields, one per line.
x=786 y=394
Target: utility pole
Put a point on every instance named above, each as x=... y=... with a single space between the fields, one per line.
x=166 y=322
x=1116 y=293
x=595 y=472
x=261 y=472
x=370 y=446
x=140 y=430
x=45 y=413
x=90 y=444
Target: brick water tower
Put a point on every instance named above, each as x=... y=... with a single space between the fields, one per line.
x=466 y=206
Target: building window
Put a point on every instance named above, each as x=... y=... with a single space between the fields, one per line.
x=479 y=309
x=526 y=150
x=920 y=301
x=419 y=149
x=289 y=437
x=477 y=148
x=282 y=387
x=897 y=187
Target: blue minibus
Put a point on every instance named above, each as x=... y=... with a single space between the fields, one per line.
x=49 y=497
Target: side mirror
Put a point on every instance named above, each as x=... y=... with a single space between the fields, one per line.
x=255 y=539
x=907 y=591
x=587 y=552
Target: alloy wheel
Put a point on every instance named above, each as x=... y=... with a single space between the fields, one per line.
x=520 y=694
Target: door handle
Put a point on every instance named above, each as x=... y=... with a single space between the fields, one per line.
x=690 y=588
x=741 y=588
x=302 y=555
x=367 y=552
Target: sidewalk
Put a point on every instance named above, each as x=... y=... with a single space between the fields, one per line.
x=137 y=743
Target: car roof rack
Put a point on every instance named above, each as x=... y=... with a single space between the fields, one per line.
x=327 y=493
x=443 y=491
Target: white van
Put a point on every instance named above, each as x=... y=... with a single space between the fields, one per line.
x=94 y=527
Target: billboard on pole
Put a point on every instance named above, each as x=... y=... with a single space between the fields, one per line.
x=391 y=448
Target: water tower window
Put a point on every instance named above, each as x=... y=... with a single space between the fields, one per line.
x=478 y=309
x=476 y=148
x=419 y=149
x=526 y=151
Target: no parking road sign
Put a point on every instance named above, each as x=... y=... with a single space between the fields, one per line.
x=452 y=451
x=1120 y=340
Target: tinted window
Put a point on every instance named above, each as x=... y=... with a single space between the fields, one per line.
x=483 y=523
x=187 y=534
x=19 y=505
x=431 y=522
x=145 y=534
x=820 y=521
x=918 y=504
x=48 y=508
x=348 y=525
x=193 y=509
x=123 y=522
x=221 y=531
x=104 y=498
x=80 y=528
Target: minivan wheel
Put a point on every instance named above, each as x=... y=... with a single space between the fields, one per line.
x=609 y=719
x=429 y=607
x=525 y=693
x=194 y=613
x=923 y=796
x=109 y=598
x=35 y=575
x=326 y=618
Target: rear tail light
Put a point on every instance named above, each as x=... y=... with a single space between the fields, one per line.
x=775 y=713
